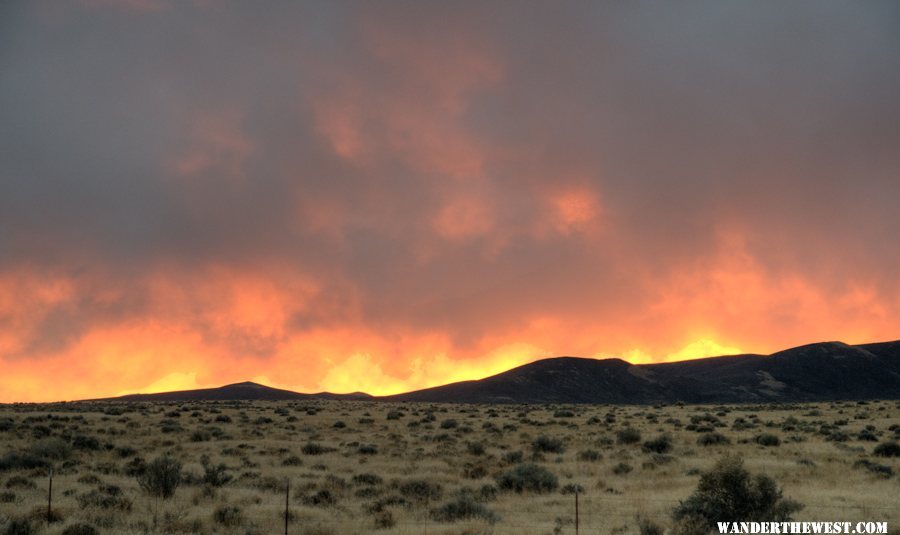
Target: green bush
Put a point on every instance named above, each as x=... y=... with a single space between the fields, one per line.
x=161 y=477
x=729 y=492
x=528 y=477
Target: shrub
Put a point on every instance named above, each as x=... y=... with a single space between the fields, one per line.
x=528 y=477
x=887 y=449
x=214 y=475
x=728 y=492
x=475 y=448
x=312 y=448
x=628 y=436
x=367 y=449
x=513 y=457
x=394 y=415
x=84 y=442
x=384 y=519
x=201 y=435
x=366 y=479
x=590 y=456
x=875 y=468
x=228 y=515
x=712 y=439
x=545 y=444
x=20 y=482
x=161 y=477
x=106 y=497
x=474 y=471
x=19 y=526
x=80 y=529
x=126 y=451
x=660 y=444
x=7 y=497
x=322 y=498
x=421 y=490
x=867 y=435
x=648 y=527
x=51 y=449
x=449 y=424
x=767 y=439
x=622 y=469
x=463 y=508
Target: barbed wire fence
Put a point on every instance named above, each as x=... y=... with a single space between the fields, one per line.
x=576 y=513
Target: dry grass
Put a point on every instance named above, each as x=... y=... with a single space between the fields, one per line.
x=359 y=467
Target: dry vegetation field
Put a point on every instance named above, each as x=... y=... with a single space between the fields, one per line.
x=363 y=467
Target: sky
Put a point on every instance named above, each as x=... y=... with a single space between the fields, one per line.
x=385 y=196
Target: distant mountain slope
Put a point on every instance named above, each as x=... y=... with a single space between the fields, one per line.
x=815 y=372
x=238 y=391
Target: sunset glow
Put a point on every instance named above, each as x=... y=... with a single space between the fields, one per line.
x=386 y=197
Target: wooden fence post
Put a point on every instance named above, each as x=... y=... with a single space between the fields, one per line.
x=50 y=499
x=287 y=495
x=576 y=511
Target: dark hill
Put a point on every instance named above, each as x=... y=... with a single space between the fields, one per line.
x=815 y=372
x=237 y=391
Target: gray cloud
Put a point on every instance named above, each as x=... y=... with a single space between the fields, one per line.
x=193 y=135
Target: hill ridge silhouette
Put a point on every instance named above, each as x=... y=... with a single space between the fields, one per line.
x=820 y=371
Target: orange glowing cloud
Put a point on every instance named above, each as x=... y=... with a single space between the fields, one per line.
x=354 y=197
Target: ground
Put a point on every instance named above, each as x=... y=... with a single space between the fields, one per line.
x=362 y=467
